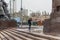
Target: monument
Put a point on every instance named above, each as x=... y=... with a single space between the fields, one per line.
x=52 y=25
x=5 y=21
x=3 y=9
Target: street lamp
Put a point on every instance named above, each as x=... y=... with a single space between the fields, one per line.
x=13 y=8
x=10 y=6
x=22 y=14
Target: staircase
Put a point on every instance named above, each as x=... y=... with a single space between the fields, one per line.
x=13 y=34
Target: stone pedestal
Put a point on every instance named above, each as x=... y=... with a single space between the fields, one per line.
x=52 y=25
x=5 y=21
x=5 y=24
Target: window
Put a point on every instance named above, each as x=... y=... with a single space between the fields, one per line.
x=58 y=8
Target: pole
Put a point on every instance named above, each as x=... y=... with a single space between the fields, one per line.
x=13 y=8
x=21 y=14
x=10 y=6
x=45 y=14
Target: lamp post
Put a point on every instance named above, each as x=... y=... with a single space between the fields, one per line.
x=13 y=8
x=10 y=7
x=21 y=14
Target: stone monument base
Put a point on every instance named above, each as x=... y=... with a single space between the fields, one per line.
x=51 y=26
x=5 y=24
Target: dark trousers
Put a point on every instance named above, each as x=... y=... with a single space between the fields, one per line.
x=29 y=26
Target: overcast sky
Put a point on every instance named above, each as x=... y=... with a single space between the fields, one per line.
x=34 y=5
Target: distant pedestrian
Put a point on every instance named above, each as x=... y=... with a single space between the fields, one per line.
x=29 y=23
x=18 y=21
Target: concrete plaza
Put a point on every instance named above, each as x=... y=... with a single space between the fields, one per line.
x=37 y=29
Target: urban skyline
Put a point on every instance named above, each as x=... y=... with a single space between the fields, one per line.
x=34 y=5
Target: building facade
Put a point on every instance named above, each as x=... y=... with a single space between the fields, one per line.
x=52 y=25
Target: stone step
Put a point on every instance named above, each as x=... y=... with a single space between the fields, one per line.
x=13 y=34
x=1 y=36
x=50 y=37
x=6 y=36
x=29 y=36
x=16 y=35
